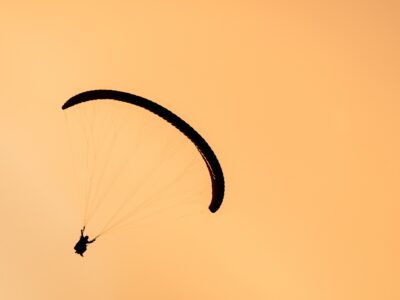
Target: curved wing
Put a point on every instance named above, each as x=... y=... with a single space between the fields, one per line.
x=212 y=163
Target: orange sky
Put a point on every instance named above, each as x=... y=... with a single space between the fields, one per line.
x=300 y=101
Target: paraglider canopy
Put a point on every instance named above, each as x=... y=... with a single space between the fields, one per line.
x=212 y=163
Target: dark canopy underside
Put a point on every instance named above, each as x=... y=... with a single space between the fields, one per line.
x=214 y=168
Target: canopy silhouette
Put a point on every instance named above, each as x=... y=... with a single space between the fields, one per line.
x=212 y=163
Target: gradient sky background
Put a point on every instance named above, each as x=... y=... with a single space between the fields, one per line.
x=300 y=101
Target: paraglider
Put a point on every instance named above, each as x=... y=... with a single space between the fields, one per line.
x=207 y=154
x=81 y=245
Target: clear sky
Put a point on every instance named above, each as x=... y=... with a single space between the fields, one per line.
x=300 y=101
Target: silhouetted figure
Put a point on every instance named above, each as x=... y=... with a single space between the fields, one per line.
x=80 y=246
